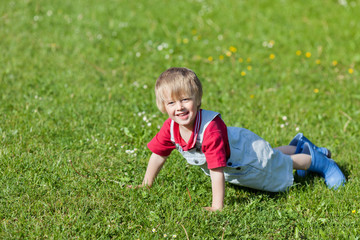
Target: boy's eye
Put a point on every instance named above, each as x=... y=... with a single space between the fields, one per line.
x=170 y=103
x=185 y=99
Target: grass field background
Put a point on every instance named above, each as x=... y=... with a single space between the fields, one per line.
x=77 y=109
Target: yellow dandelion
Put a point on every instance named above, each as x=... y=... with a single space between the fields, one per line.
x=317 y=61
x=316 y=90
x=249 y=68
x=248 y=60
x=241 y=60
x=221 y=57
x=228 y=53
x=353 y=211
x=198 y=37
x=186 y=40
x=307 y=54
x=351 y=71
x=243 y=73
x=272 y=42
x=232 y=49
x=334 y=63
x=298 y=52
x=272 y=56
x=252 y=96
x=210 y=59
x=193 y=32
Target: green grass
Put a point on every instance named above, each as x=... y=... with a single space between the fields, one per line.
x=76 y=99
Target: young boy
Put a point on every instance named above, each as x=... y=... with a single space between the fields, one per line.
x=225 y=153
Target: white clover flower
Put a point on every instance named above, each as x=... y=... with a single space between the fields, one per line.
x=343 y=2
x=282 y=125
x=149 y=124
x=145 y=86
x=49 y=13
x=36 y=18
x=284 y=118
x=297 y=129
x=138 y=54
x=136 y=84
x=123 y=24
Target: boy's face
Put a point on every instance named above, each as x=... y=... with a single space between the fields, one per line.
x=183 y=111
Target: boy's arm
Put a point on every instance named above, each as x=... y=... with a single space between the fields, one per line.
x=218 y=189
x=154 y=166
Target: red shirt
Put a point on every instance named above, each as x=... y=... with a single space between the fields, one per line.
x=215 y=144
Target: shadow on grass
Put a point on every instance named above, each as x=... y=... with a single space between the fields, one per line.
x=244 y=193
x=345 y=168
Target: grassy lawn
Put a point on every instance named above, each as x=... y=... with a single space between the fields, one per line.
x=77 y=109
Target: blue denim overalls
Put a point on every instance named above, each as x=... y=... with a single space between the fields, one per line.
x=252 y=163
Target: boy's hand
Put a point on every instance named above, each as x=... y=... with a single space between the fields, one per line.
x=212 y=209
x=135 y=187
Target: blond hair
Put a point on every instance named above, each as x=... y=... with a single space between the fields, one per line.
x=179 y=83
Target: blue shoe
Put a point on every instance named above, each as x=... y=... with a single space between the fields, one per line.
x=299 y=141
x=325 y=166
x=323 y=150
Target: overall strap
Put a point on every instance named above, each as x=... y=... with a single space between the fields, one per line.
x=206 y=117
x=172 y=138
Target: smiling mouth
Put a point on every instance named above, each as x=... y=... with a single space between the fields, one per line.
x=182 y=115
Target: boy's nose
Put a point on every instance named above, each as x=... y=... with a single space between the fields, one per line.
x=179 y=105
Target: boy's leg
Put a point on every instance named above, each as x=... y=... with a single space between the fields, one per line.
x=288 y=149
x=298 y=141
x=301 y=161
